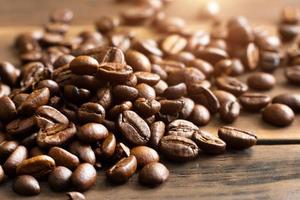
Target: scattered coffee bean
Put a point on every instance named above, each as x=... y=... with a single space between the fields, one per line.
x=209 y=143
x=230 y=111
x=278 y=114
x=153 y=174
x=144 y=155
x=26 y=185
x=261 y=81
x=292 y=100
x=254 y=101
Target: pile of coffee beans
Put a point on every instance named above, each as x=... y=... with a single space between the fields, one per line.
x=106 y=99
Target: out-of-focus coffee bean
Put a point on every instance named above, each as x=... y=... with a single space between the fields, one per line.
x=261 y=81
x=254 y=101
x=290 y=99
x=212 y=55
x=75 y=196
x=175 y=91
x=62 y=15
x=8 y=109
x=9 y=73
x=6 y=148
x=21 y=127
x=224 y=96
x=232 y=85
x=292 y=74
x=138 y=61
x=106 y=24
x=26 y=185
x=173 y=44
x=203 y=66
x=269 y=61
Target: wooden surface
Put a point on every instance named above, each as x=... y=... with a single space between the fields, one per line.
x=263 y=172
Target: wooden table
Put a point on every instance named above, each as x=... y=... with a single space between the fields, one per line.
x=263 y=172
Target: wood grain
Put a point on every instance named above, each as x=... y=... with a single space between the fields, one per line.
x=263 y=172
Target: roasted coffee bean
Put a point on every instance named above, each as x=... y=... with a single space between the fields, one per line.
x=232 y=85
x=183 y=56
x=209 y=143
x=236 y=138
x=62 y=60
x=134 y=128
x=173 y=44
x=121 y=151
x=84 y=65
x=292 y=74
x=224 y=96
x=254 y=101
x=104 y=97
x=92 y=132
x=153 y=174
x=4 y=90
x=122 y=170
x=108 y=146
x=181 y=128
x=63 y=158
x=269 y=61
x=251 y=57
x=171 y=107
x=106 y=24
x=59 y=179
x=148 y=47
x=87 y=82
x=144 y=155
x=29 y=141
x=146 y=91
x=115 y=111
x=14 y=160
x=75 y=94
x=200 y=116
x=21 y=127
x=26 y=185
x=175 y=91
x=50 y=84
x=75 y=196
x=205 y=97
x=91 y=112
x=138 y=61
x=19 y=98
x=114 y=72
x=62 y=16
x=137 y=15
x=145 y=107
x=223 y=67
x=211 y=55
x=261 y=81
x=37 y=166
x=2 y=175
x=278 y=115
x=160 y=87
x=7 y=148
x=125 y=93
x=178 y=148
x=239 y=31
x=237 y=67
x=120 y=40
x=230 y=111
x=84 y=177
x=34 y=100
x=205 y=67
x=157 y=132
x=147 y=77
x=187 y=107
x=192 y=75
x=292 y=100
x=44 y=113
x=157 y=69
x=84 y=152
x=9 y=73
x=56 y=135
x=8 y=109
x=70 y=111
x=36 y=151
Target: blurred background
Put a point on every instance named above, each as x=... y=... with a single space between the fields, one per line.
x=35 y=12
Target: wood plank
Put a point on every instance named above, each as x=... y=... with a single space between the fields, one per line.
x=263 y=172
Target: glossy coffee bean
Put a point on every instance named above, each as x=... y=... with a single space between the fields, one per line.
x=230 y=111
x=212 y=55
x=269 y=61
x=48 y=113
x=92 y=132
x=181 y=128
x=208 y=142
x=144 y=155
x=106 y=24
x=122 y=170
x=178 y=148
x=114 y=72
x=64 y=158
x=171 y=107
x=292 y=74
x=292 y=100
x=62 y=15
x=146 y=107
x=224 y=96
x=83 y=151
x=232 y=85
x=125 y=93
x=157 y=132
x=153 y=174
x=76 y=95
x=173 y=44
x=8 y=111
x=26 y=185
x=59 y=179
x=261 y=81
x=254 y=101
x=50 y=84
x=84 y=65
x=37 y=166
x=278 y=115
x=6 y=148
x=138 y=61
x=236 y=138
x=75 y=196
x=84 y=177
x=108 y=147
x=91 y=112
x=251 y=56
x=14 y=160
x=175 y=91
x=134 y=128
x=146 y=91
x=200 y=116
x=9 y=73
x=104 y=97
x=21 y=127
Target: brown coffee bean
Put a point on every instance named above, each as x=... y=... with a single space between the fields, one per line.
x=232 y=85
x=125 y=93
x=236 y=138
x=200 y=115
x=26 y=185
x=230 y=111
x=76 y=95
x=62 y=15
x=106 y=24
x=278 y=115
x=84 y=65
x=19 y=98
x=50 y=84
x=146 y=91
x=104 y=97
x=205 y=67
x=36 y=99
x=75 y=196
x=223 y=67
x=92 y=132
x=171 y=107
x=8 y=109
x=292 y=74
x=6 y=148
x=59 y=179
x=175 y=91
x=224 y=96
x=114 y=72
x=134 y=128
x=84 y=177
x=254 y=101
x=36 y=151
x=108 y=146
x=121 y=151
x=137 y=15
x=2 y=175
x=178 y=148
x=91 y=112
x=21 y=127
x=160 y=87
x=148 y=47
x=9 y=73
x=261 y=81
x=84 y=152
x=182 y=128
x=269 y=61
x=187 y=108
x=14 y=160
x=239 y=31
x=56 y=135
x=144 y=155
x=147 y=77
x=63 y=158
x=208 y=142
x=62 y=60
x=47 y=113
x=173 y=44
x=205 y=97
x=122 y=170
x=146 y=108
x=292 y=100
x=251 y=56
x=211 y=55
x=138 y=61
x=38 y=166
x=157 y=132
x=115 y=111
x=153 y=174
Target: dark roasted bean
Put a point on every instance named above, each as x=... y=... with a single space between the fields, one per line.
x=292 y=74
x=125 y=93
x=157 y=132
x=278 y=114
x=8 y=109
x=84 y=152
x=153 y=174
x=231 y=85
x=209 y=143
x=84 y=177
x=84 y=65
x=181 y=128
x=230 y=111
x=146 y=107
x=63 y=158
x=91 y=112
x=261 y=81
x=26 y=185
x=200 y=116
x=138 y=61
x=290 y=99
x=6 y=148
x=144 y=155
x=92 y=132
x=254 y=101
x=75 y=196
x=14 y=160
x=59 y=179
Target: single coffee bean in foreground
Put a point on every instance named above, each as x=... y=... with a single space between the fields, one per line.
x=278 y=114
x=59 y=179
x=153 y=174
x=26 y=185
x=84 y=177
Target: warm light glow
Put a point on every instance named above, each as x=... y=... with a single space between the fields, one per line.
x=213 y=7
